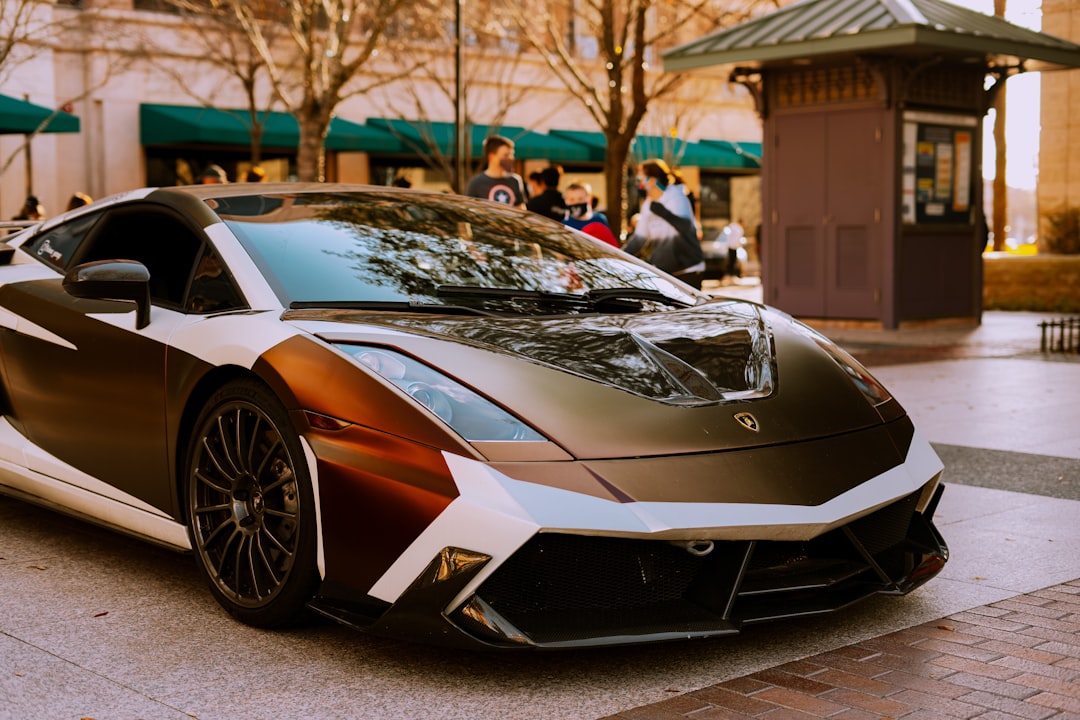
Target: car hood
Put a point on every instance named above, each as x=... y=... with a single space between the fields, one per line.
x=666 y=382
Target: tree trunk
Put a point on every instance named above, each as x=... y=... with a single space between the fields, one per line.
x=311 y=154
x=256 y=143
x=622 y=124
x=618 y=150
x=1000 y=219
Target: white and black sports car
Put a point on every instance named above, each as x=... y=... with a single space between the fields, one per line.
x=443 y=419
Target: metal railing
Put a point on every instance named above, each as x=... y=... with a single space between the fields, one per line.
x=1061 y=335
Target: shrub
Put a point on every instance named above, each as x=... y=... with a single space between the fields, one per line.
x=1062 y=235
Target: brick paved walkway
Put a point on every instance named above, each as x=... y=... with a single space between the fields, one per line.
x=1018 y=658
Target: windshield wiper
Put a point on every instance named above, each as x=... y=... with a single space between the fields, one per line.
x=387 y=306
x=623 y=299
x=602 y=295
x=494 y=293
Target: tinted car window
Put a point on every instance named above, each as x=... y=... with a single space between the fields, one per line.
x=212 y=289
x=157 y=238
x=382 y=246
x=57 y=246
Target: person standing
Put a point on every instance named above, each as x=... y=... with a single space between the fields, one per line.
x=213 y=175
x=32 y=209
x=534 y=184
x=498 y=181
x=666 y=233
x=581 y=216
x=736 y=238
x=550 y=201
x=79 y=200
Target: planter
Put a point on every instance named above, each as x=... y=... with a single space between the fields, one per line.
x=1037 y=283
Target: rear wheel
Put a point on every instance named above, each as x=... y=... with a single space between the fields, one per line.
x=250 y=507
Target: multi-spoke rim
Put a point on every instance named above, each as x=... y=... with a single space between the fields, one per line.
x=244 y=504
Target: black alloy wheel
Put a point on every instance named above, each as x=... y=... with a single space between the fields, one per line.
x=250 y=507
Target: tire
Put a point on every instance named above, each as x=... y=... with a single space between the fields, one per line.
x=250 y=507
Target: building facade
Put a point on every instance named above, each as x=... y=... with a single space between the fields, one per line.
x=1059 y=144
x=136 y=77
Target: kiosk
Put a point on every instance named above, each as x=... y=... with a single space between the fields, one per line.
x=872 y=116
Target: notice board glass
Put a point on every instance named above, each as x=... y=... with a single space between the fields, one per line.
x=938 y=163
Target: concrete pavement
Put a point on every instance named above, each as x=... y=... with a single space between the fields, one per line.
x=94 y=625
x=1006 y=420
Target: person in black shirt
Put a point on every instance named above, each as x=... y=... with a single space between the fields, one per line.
x=549 y=202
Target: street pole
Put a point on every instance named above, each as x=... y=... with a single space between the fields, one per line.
x=28 y=153
x=459 y=97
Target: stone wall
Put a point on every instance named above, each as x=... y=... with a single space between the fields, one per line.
x=1037 y=283
x=1059 y=139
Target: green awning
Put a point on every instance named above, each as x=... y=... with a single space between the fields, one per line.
x=347 y=136
x=424 y=137
x=20 y=116
x=738 y=154
x=704 y=154
x=595 y=142
x=193 y=125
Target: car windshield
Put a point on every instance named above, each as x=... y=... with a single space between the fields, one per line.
x=398 y=250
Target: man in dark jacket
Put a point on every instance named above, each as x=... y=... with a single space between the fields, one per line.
x=550 y=201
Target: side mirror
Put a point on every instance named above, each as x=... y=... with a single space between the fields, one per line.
x=113 y=280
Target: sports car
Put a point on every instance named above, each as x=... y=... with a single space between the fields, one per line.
x=443 y=419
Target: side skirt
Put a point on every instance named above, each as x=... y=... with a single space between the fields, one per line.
x=49 y=492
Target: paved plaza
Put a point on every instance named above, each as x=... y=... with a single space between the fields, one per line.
x=95 y=625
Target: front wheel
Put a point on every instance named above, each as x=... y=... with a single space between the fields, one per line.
x=250 y=507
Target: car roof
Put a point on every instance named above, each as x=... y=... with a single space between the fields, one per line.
x=176 y=194
x=215 y=190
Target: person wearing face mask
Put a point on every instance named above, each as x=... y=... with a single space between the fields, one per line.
x=666 y=233
x=534 y=185
x=549 y=201
x=582 y=217
x=498 y=181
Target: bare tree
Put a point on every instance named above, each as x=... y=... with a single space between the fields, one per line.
x=603 y=52
x=673 y=121
x=25 y=25
x=221 y=42
x=497 y=76
x=29 y=28
x=329 y=51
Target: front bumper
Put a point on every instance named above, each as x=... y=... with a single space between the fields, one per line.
x=562 y=591
x=794 y=531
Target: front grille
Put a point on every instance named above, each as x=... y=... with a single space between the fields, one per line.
x=567 y=573
x=562 y=588
x=887 y=527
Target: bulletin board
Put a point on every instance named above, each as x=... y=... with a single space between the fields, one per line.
x=938 y=166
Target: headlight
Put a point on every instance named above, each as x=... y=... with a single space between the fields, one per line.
x=874 y=392
x=470 y=415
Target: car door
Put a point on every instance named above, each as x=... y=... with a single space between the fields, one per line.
x=83 y=384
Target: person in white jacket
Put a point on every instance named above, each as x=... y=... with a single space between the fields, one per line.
x=666 y=233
